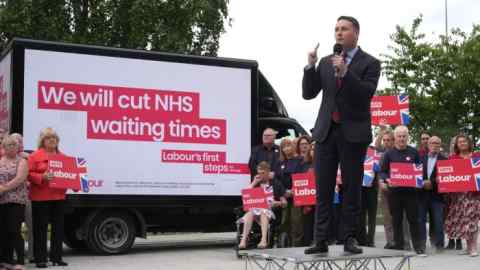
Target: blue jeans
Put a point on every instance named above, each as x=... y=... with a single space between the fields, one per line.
x=432 y=205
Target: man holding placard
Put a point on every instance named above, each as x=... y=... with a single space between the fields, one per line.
x=402 y=197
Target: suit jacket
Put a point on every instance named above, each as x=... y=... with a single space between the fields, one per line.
x=352 y=99
x=261 y=153
x=433 y=176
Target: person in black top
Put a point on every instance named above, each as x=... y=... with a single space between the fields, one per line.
x=431 y=201
x=402 y=198
x=368 y=210
x=291 y=224
x=267 y=151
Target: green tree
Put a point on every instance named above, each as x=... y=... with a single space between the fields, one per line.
x=439 y=77
x=180 y=26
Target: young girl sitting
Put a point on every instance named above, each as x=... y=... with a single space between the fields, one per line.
x=262 y=216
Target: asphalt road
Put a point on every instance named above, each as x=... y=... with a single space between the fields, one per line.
x=214 y=251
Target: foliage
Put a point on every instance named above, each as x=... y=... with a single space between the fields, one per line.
x=441 y=79
x=180 y=26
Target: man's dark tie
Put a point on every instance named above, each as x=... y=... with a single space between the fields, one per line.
x=336 y=114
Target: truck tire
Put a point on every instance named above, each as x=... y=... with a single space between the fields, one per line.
x=111 y=232
x=72 y=241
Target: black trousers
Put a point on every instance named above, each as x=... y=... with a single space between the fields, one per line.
x=328 y=154
x=400 y=200
x=3 y=230
x=366 y=232
x=336 y=225
x=43 y=213
x=14 y=216
x=308 y=222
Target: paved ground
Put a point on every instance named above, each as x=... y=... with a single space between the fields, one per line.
x=214 y=251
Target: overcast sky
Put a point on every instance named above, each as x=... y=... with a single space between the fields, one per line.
x=279 y=33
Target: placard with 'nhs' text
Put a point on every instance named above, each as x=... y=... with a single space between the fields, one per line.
x=406 y=174
x=391 y=110
x=67 y=171
x=458 y=175
x=257 y=197
x=304 y=188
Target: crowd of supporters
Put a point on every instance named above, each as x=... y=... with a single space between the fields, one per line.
x=406 y=210
x=26 y=196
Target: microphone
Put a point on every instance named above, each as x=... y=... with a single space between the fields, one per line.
x=337 y=50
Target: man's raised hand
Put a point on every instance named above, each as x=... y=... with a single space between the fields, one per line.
x=312 y=56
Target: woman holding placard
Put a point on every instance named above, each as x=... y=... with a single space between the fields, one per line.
x=261 y=215
x=13 y=197
x=305 y=149
x=464 y=208
x=292 y=222
x=47 y=202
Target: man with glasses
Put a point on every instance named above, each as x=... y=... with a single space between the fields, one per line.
x=267 y=151
x=430 y=201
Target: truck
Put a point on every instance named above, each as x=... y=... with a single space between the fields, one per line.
x=166 y=137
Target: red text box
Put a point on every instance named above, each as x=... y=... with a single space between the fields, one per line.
x=406 y=175
x=304 y=188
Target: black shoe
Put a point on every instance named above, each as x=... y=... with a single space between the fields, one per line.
x=389 y=246
x=362 y=243
x=451 y=244
x=351 y=246
x=421 y=253
x=41 y=265
x=59 y=263
x=321 y=247
x=458 y=244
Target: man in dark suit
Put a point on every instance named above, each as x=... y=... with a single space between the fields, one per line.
x=430 y=201
x=267 y=151
x=343 y=128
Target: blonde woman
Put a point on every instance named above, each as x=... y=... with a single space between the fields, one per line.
x=13 y=197
x=28 y=205
x=47 y=203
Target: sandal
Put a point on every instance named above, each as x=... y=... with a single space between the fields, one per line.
x=262 y=246
x=242 y=247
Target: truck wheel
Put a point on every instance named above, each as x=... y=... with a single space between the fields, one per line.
x=112 y=233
